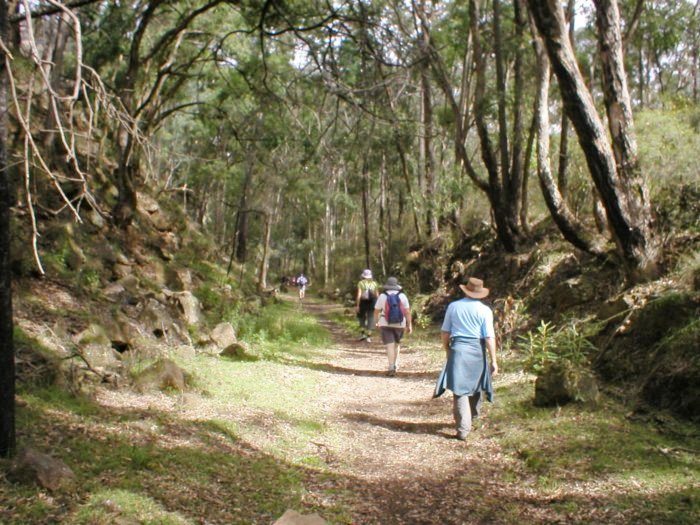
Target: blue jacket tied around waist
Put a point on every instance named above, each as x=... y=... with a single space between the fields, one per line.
x=467 y=369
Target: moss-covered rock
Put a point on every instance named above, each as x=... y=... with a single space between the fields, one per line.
x=561 y=383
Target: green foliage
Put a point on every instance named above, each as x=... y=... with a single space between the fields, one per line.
x=89 y=279
x=131 y=506
x=547 y=344
x=277 y=326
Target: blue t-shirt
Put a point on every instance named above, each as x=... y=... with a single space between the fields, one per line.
x=469 y=318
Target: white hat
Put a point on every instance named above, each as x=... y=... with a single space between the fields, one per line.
x=366 y=274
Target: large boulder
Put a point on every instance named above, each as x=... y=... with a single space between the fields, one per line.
x=572 y=292
x=238 y=352
x=562 y=383
x=95 y=347
x=188 y=306
x=155 y=318
x=223 y=335
x=178 y=279
x=75 y=257
x=32 y=466
x=149 y=207
x=164 y=374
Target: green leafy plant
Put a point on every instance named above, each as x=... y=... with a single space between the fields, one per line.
x=547 y=344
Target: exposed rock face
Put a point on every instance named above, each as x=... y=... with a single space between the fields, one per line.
x=149 y=207
x=188 y=305
x=178 y=279
x=96 y=347
x=572 y=292
x=33 y=466
x=292 y=517
x=155 y=318
x=561 y=383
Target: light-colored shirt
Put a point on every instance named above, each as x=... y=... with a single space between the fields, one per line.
x=381 y=303
x=468 y=318
x=368 y=288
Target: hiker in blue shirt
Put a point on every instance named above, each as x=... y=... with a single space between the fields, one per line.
x=467 y=337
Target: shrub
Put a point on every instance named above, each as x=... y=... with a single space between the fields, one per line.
x=548 y=345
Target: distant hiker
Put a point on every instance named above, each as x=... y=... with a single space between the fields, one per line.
x=467 y=335
x=302 y=282
x=392 y=314
x=367 y=292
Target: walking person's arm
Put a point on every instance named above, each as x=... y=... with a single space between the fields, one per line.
x=446 y=343
x=491 y=347
x=358 y=296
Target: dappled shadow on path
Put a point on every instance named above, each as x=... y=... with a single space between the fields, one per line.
x=435 y=428
x=333 y=369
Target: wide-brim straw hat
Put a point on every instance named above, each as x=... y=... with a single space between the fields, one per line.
x=474 y=288
x=392 y=283
x=366 y=274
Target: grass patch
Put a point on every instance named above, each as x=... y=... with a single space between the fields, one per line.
x=152 y=467
x=571 y=444
x=109 y=506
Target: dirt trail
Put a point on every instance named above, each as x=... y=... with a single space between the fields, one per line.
x=398 y=445
x=390 y=457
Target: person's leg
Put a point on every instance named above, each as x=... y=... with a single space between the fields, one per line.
x=362 y=317
x=391 y=356
x=370 y=323
x=398 y=334
x=475 y=404
x=461 y=409
x=390 y=345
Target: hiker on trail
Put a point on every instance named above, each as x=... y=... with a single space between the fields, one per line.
x=367 y=291
x=392 y=314
x=467 y=335
x=302 y=282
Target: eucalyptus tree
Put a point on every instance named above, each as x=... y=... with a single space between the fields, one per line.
x=485 y=93
x=7 y=352
x=662 y=44
x=613 y=164
x=149 y=71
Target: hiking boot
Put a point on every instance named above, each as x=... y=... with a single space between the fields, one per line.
x=391 y=372
x=369 y=339
x=362 y=337
x=461 y=436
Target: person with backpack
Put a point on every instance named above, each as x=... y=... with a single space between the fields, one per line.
x=367 y=291
x=302 y=282
x=469 y=340
x=392 y=314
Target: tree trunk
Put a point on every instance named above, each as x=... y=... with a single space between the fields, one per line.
x=7 y=352
x=563 y=167
x=488 y=156
x=365 y=211
x=514 y=185
x=241 y=234
x=564 y=219
x=625 y=198
x=426 y=142
x=267 y=229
